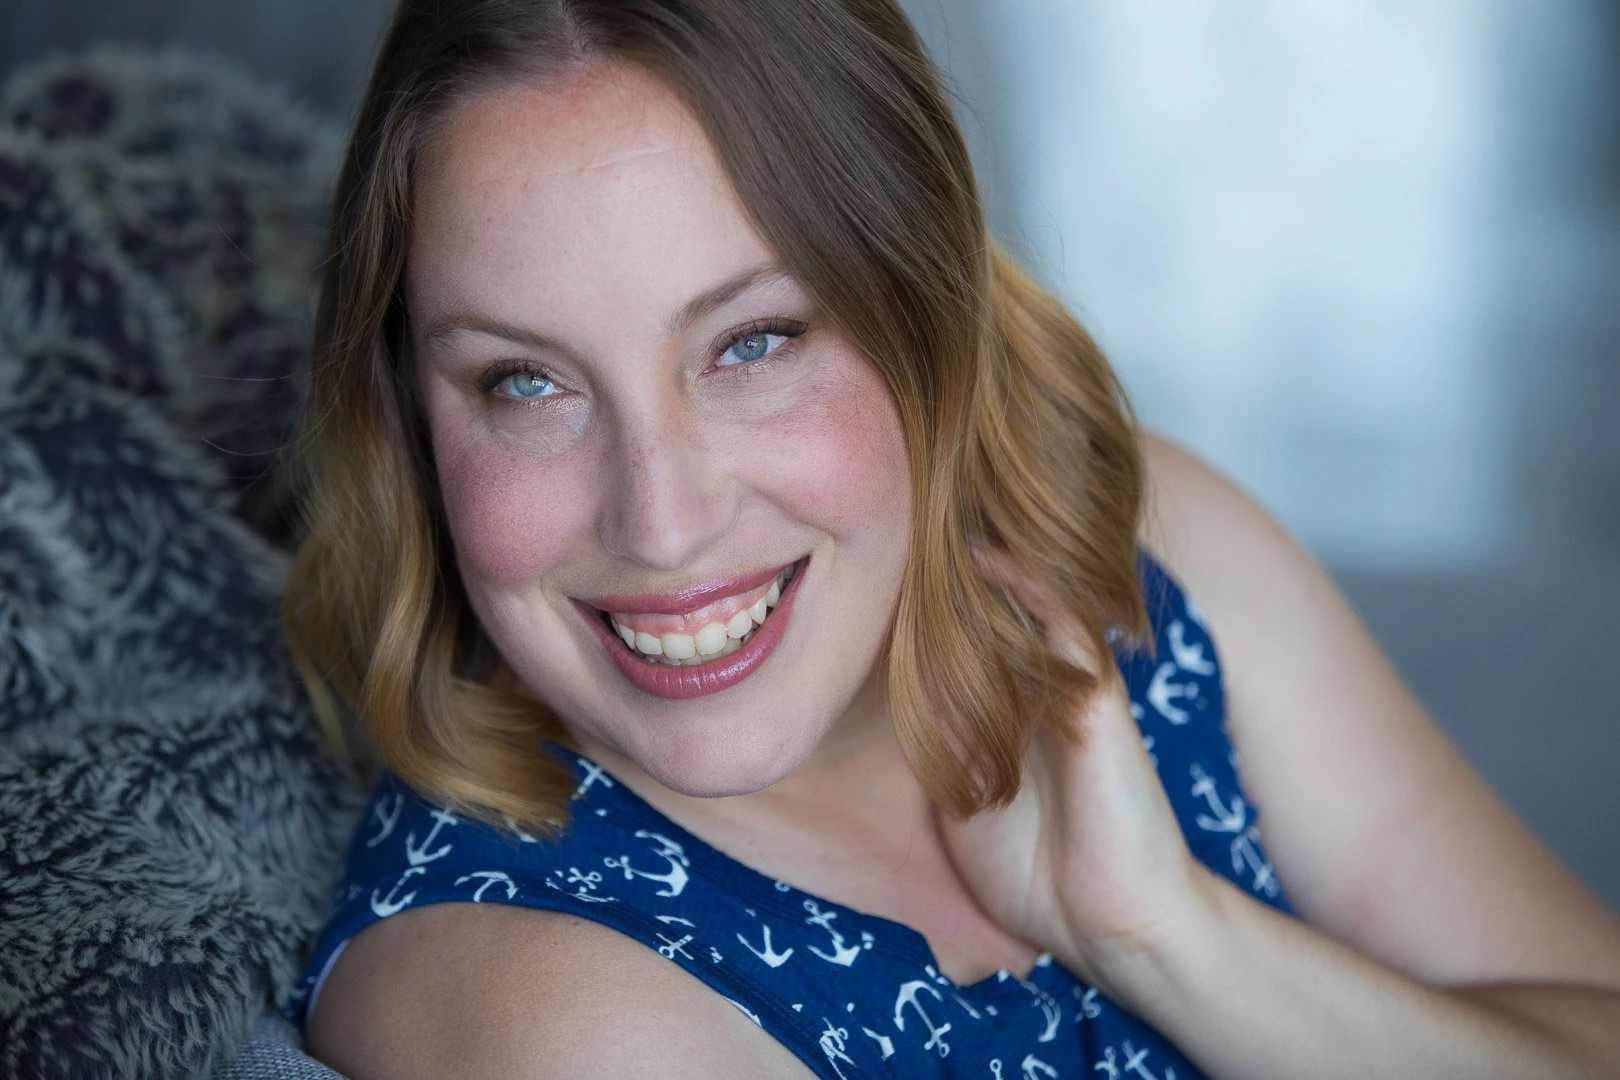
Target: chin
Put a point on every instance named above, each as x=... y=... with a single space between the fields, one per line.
x=714 y=764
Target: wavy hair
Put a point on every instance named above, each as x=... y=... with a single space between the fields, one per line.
x=833 y=127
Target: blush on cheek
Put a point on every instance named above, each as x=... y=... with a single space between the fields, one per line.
x=509 y=514
x=845 y=452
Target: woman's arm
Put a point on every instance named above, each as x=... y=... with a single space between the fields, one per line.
x=1467 y=948
x=490 y=990
x=1248 y=992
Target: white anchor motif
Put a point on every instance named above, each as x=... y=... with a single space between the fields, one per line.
x=908 y=996
x=1189 y=658
x=1088 y=1009
x=746 y=1012
x=832 y=1044
x=671 y=948
x=586 y=883
x=674 y=878
x=1246 y=856
x=517 y=830
x=388 y=905
x=995 y=1068
x=769 y=955
x=1054 y=1012
x=1032 y=1066
x=842 y=954
x=1053 y=1016
x=594 y=774
x=386 y=819
x=418 y=854
x=714 y=955
x=1135 y=1062
x=490 y=878
x=1162 y=692
x=885 y=1044
x=1226 y=819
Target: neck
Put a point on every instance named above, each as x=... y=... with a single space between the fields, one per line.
x=856 y=782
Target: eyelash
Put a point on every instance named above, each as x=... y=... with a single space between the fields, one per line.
x=787 y=328
x=499 y=372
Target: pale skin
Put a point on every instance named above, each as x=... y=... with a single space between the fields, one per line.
x=1439 y=938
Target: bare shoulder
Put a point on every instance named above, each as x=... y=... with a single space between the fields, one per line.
x=1381 y=832
x=476 y=990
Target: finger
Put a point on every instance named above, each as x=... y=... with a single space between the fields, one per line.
x=1059 y=629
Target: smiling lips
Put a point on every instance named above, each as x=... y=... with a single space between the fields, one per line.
x=701 y=640
x=717 y=629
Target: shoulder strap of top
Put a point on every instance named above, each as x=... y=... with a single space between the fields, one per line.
x=1179 y=701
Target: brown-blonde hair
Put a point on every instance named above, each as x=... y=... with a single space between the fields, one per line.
x=834 y=130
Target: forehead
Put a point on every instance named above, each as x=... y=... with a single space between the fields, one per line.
x=598 y=172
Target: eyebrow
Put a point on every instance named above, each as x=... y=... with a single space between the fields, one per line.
x=707 y=301
x=704 y=303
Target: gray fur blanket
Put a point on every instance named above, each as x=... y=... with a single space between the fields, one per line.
x=169 y=823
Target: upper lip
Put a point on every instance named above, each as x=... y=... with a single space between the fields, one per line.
x=684 y=600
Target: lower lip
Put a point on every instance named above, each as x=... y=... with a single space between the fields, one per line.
x=664 y=681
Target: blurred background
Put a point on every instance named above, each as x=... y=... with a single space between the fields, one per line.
x=1362 y=255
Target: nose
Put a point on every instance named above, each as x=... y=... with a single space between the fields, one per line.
x=667 y=495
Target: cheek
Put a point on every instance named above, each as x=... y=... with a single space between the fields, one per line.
x=511 y=512
x=840 y=459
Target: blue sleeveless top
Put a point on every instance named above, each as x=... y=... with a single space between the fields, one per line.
x=851 y=994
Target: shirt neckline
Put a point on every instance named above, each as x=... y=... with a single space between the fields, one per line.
x=768 y=891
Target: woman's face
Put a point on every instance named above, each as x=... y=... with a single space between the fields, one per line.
x=640 y=427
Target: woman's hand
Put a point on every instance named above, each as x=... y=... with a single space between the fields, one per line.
x=1088 y=862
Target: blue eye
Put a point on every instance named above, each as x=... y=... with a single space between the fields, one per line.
x=746 y=347
x=527 y=384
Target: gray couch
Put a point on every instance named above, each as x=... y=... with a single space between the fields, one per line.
x=169 y=821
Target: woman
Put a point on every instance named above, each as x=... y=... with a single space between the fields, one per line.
x=692 y=482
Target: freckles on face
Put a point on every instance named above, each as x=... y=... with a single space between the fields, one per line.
x=584 y=235
x=506 y=489
x=839 y=455
x=513 y=508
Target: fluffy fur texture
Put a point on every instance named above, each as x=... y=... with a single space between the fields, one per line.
x=169 y=821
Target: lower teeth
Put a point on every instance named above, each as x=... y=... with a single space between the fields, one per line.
x=694 y=661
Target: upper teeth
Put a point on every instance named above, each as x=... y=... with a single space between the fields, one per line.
x=712 y=638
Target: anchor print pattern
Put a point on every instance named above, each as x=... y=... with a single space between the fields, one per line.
x=852 y=995
x=1232 y=817
x=485 y=879
x=907 y=999
x=832 y=1045
x=768 y=954
x=385 y=816
x=1128 y=1063
x=843 y=953
x=672 y=880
